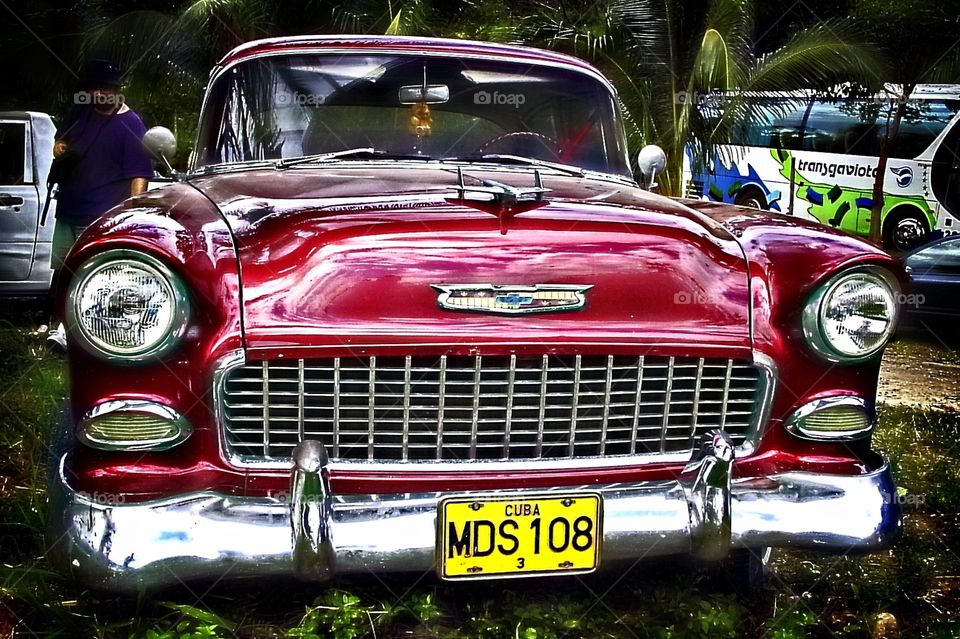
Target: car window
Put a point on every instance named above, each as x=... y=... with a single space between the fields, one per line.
x=288 y=107
x=12 y=153
x=939 y=256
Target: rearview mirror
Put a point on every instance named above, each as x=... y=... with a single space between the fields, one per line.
x=430 y=94
x=651 y=161
x=162 y=144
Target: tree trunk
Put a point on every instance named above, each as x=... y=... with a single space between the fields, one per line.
x=892 y=128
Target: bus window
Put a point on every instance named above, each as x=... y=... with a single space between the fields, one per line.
x=847 y=127
x=945 y=172
x=921 y=124
x=775 y=123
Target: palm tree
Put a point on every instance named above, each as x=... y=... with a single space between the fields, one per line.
x=663 y=55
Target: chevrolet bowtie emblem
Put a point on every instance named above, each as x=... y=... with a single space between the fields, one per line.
x=512 y=300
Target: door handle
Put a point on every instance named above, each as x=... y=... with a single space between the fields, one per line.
x=7 y=200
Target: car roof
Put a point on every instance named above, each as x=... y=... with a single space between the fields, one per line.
x=400 y=44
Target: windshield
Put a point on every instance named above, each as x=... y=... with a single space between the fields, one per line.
x=408 y=105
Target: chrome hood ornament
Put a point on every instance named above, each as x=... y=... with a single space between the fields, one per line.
x=508 y=299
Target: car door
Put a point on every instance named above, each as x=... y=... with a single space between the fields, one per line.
x=19 y=200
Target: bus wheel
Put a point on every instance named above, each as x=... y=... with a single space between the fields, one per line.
x=752 y=200
x=905 y=229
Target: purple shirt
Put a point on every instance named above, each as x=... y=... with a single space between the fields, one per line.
x=113 y=154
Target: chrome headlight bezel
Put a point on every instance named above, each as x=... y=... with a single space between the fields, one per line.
x=173 y=285
x=813 y=318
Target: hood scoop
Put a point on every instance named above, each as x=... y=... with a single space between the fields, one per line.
x=502 y=200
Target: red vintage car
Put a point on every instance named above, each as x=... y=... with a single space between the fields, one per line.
x=410 y=311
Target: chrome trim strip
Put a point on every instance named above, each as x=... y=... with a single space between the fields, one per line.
x=508 y=419
x=636 y=406
x=265 y=367
x=544 y=371
x=441 y=400
x=608 y=383
x=405 y=447
x=301 y=399
x=695 y=410
x=372 y=405
x=572 y=436
x=726 y=395
x=336 y=407
x=475 y=417
x=793 y=422
x=666 y=406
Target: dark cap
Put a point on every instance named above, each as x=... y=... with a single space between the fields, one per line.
x=100 y=73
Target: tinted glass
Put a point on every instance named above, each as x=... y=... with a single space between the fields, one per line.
x=844 y=126
x=12 y=153
x=287 y=107
x=940 y=256
x=923 y=121
x=772 y=123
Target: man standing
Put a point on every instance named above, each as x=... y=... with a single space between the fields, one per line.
x=99 y=162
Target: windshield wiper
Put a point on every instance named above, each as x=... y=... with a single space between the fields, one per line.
x=518 y=159
x=367 y=151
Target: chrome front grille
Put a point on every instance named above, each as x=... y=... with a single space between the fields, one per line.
x=384 y=409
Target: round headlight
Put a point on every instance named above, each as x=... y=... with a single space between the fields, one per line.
x=127 y=305
x=851 y=317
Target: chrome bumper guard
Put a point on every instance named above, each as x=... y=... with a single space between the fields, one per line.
x=316 y=534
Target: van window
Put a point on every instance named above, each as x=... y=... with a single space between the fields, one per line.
x=12 y=153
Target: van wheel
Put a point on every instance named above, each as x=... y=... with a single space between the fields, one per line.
x=904 y=230
x=751 y=200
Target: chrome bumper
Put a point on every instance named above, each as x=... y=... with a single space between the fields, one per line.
x=210 y=536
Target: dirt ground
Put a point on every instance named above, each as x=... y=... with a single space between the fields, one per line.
x=920 y=372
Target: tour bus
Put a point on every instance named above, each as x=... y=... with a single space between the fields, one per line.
x=817 y=158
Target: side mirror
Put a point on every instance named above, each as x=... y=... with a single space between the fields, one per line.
x=162 y=144
x=651 y=161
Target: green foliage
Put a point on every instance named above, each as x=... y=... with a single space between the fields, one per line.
x=795 y=621
x=337 y=614
x=665 y=57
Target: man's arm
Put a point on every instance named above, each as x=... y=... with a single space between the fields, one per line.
x=138 y=186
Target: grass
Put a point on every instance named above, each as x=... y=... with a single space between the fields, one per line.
x=912 y=590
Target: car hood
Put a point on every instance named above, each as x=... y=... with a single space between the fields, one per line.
x=349 y=257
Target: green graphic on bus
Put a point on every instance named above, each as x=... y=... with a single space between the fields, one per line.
x=844 y=208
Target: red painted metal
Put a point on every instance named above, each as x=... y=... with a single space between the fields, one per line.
x=339 y=260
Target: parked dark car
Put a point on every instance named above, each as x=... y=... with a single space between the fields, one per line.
x=932 y=302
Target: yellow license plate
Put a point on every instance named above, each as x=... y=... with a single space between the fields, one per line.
x=495 y=535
